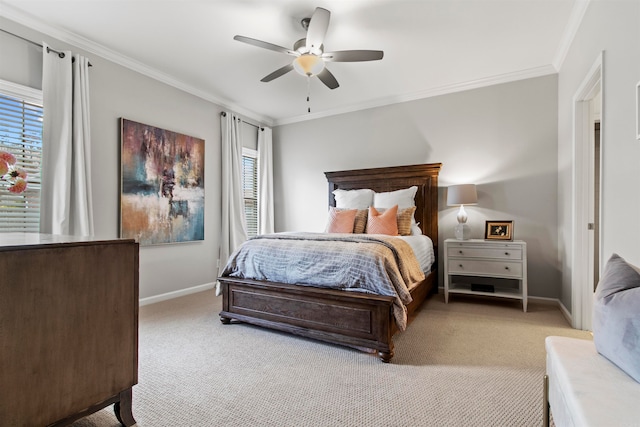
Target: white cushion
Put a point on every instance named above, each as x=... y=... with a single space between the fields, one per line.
x=404 y=198
x=353 y=199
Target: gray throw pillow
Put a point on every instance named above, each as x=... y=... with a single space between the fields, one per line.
x=616 y=316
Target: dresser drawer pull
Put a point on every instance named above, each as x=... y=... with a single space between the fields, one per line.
x=460 y=252
x=506 y=253
x=460 y=265
x=506 y=268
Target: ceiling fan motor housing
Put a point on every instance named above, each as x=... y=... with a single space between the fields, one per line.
x=301 y=46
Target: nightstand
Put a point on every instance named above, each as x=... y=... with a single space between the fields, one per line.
x=486 y=258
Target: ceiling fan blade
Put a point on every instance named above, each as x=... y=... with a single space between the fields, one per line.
x=277 y=73
x=328 y=79
x=317 y=29
x=265 y=45
x=353 y=55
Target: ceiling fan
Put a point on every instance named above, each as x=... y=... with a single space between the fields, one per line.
x=309 y=53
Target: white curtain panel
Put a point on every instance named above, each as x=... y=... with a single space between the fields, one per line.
x=233 y=232
x=65 y=201
x=265 y=181
x=81 y=207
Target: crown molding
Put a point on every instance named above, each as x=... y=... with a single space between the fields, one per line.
x=91 y=47
x=570 y=31
x=428 y=93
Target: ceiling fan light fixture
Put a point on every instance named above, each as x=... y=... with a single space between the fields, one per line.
x=308 y=64
x=309 y=52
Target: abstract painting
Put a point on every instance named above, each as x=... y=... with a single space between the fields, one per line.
x=162 y=188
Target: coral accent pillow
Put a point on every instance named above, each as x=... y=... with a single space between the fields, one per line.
x=341 y=220
x=404 y=216
x=360 y=222
x=383 y=222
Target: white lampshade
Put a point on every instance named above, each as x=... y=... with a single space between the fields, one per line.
x=463 y=194
x=308 y=64
x=460 y=195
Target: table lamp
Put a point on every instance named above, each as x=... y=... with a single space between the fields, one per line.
x=460 y=195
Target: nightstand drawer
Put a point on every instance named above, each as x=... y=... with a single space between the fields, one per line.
x=488 y=268
x=471 y=252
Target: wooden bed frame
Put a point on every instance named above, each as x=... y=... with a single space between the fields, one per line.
x=352 y=319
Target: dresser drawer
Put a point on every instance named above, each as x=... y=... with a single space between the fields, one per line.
x=475 y=252
x=488 y=268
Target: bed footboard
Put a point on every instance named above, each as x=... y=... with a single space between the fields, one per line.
x=347 y=318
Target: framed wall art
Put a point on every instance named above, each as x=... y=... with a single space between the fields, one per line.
x=162 y=185
x=498 y=230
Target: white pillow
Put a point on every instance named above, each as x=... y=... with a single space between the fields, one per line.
x=403 y=198
x=415 y=230
x=354 y=199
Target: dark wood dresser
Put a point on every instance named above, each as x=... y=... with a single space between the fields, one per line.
x=68 y=328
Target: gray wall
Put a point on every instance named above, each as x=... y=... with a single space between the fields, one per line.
x=513 y=140
x=119 y=92
x=612 y=27
x=502 y=138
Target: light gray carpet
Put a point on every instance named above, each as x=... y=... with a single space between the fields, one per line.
x=472 y=362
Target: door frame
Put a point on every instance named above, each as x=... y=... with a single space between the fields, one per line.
x=581 y=296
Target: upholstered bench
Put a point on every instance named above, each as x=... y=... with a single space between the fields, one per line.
x=597 y=383
x=583 y=388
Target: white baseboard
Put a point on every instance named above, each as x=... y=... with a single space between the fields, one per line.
x=556 y=302
x=567 y=315
x=176 y=294
x=545 y=300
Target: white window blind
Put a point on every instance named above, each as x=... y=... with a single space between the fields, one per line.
x=21 y=135
x=250 y=189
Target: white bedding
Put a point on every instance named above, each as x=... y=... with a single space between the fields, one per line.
x=423 y=249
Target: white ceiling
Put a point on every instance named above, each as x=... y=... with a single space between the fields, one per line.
x=430 y=46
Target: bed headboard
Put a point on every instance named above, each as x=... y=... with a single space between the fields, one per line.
x=425 y=177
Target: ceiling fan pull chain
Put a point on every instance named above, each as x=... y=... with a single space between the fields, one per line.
x=308 y=94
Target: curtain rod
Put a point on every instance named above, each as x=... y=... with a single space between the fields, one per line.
x=224 y=114
x=60 y=54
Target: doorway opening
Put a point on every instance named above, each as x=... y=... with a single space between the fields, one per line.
x=587 y=161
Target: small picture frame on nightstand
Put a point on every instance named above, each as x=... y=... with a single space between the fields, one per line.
x=498 y=230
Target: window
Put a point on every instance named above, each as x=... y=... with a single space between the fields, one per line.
x=21 y=135
x=250 y=189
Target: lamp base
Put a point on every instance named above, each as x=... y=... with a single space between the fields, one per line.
x=462 y=232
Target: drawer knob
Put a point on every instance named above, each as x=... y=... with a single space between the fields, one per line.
x=460 y=265
x=460 y=252
x=506 y=268
x=506 y=253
